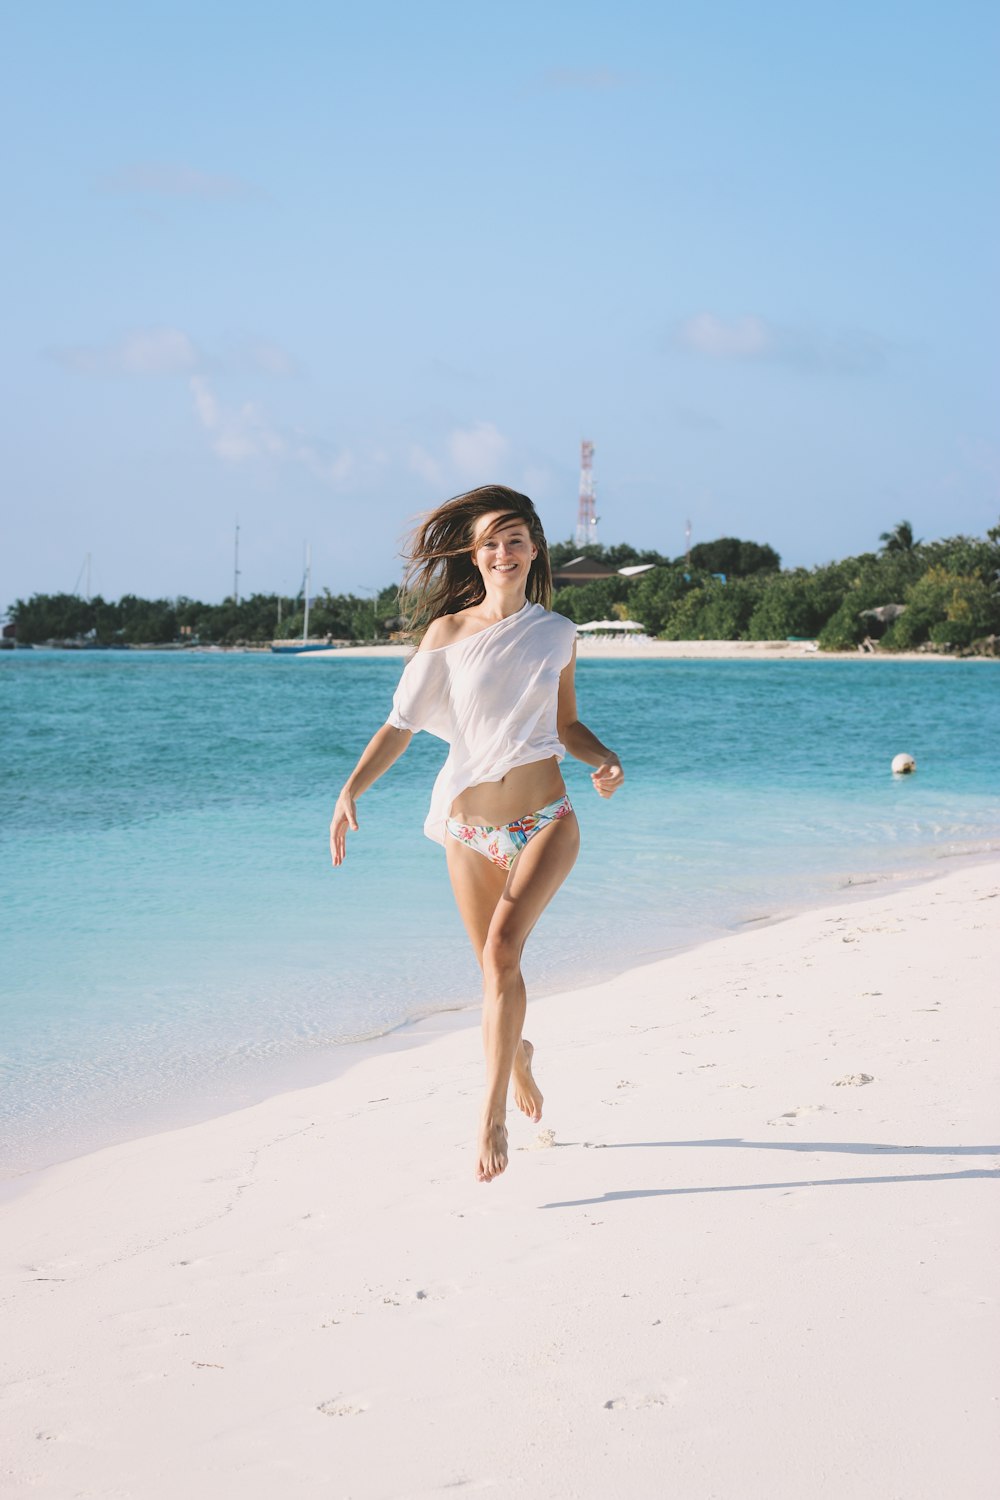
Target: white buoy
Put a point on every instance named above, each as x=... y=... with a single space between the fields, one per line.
x=903 y=765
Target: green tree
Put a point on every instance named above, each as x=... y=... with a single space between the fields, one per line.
x=866 y=582
x=965 y=554
x=591 y=601
x=47 y=617
x=147 y=621
x=620 y=555
x=734 y=558
x=713 y=611
x=107 y=621
x=654 y=596
x=899 y=539
x=948 y=609
x=797 y=603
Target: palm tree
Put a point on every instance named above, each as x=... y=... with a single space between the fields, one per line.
x=899 y=539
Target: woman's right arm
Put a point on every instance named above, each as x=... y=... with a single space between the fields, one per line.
x=383 y=750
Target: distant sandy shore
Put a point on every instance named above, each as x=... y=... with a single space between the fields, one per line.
x=750 y=1252
x=647 y=650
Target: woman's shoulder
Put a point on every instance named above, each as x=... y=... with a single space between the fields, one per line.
x=556 y=636
x=442 y=632
x=561 y=623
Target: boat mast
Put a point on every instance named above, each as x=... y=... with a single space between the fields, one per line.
x=84 y=575
x=305 y=618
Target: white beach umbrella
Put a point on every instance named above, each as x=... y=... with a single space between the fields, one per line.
x=611 y=625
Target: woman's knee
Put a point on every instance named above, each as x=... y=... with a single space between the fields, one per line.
x=501 y=955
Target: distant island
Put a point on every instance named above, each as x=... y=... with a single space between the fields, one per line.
x=909 y=594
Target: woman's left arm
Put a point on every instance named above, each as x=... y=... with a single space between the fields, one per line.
x=581 y=742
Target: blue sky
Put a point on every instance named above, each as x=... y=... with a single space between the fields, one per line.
x=322 y=266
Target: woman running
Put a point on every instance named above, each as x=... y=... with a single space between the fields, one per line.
x=492 y=676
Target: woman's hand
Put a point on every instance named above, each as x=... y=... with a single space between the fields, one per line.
x=608 y=777
x=344 y=817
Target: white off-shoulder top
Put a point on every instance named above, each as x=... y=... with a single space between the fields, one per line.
x=492 y=697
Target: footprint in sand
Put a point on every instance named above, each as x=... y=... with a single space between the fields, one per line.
x=52 y=1270
x=853 y=1080
x=542 y=1142
x=340 y=1407
x=667 y=1395
x=791 y=1115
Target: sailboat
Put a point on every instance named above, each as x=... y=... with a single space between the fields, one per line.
x=297 y=648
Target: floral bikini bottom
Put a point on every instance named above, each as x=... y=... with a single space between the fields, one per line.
x=502 y=845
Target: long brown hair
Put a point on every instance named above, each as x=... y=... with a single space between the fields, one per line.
x=441 y=578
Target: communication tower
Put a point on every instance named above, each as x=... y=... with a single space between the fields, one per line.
x=586 y=516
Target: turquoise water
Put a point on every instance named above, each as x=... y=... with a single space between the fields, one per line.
x=174 y=935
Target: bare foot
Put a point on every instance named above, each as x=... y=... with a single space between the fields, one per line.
x=492 y=1149
x=527 y=1094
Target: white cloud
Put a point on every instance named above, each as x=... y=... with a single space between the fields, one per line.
x=712 y=336
x=174 y=180
x=752 y=338
x=244 y=432
x=467 y=455
x=144 y=351
x=206 y=405
x=475 y=452
x=236 y=433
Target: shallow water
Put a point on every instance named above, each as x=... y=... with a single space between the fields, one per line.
x=174 y=931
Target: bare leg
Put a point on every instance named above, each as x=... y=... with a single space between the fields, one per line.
x=527 y=1095
x=517 y=900
x=478 y=885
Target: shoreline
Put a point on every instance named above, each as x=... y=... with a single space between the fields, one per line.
x=624 y=649
x=765 y=1166
x=92 y=1089
x=329 y=1064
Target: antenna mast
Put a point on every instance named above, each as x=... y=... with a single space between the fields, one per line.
x=236 y=565
x=305 y=590
x=586 y=516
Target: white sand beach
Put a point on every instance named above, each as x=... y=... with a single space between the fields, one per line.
x=750 y=1254
x=630 y=648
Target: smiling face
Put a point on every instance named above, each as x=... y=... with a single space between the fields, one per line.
x=503 y=552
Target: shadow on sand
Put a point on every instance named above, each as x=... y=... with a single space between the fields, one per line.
x=855 y=1148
